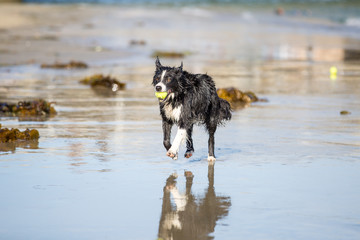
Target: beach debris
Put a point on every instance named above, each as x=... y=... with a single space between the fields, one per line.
x=98 y=49
x=333 y=73
x=237 y=98
x=140 y=23
x=345 y=112
x=34 y=108
x=107 y=82
x=134 y=42
x=88 y=26
x=170 y=54
x=45 y=37
x=279 y=11
x=352 y=54
x=69 y=65
x=14 y=134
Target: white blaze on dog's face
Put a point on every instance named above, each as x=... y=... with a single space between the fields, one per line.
x=160 y=86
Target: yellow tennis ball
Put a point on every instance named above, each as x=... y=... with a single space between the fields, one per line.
x=333 y=70
x=161 y=95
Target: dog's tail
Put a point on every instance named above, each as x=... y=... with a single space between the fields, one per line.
x=225 y=110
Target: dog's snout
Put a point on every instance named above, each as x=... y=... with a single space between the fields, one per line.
x=160 y=87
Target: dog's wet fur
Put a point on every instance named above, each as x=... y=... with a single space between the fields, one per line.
x=191 y=99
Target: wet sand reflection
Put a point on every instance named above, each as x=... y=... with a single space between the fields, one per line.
x=185 y=216
x=11 y=146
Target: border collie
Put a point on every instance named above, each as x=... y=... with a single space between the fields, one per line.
x=190 y=99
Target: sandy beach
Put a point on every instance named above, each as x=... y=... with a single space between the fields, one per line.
x=40 y=33
x=287 y=168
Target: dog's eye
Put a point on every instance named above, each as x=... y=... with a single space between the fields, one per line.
x=157 y=79
x=169 y=80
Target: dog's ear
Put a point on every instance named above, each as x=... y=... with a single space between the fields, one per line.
x=180 y=69
x=157 y=62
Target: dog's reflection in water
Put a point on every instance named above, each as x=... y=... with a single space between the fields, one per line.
x=186 y=216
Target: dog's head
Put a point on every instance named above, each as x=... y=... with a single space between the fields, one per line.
x=167 y=79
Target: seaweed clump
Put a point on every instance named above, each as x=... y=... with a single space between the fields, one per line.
x=33 y=108
x=237 y=98
x=345 y=112
x=137 y=42
x=169 y=54
x=14 y=134
x=105 y=82
x=69 y=65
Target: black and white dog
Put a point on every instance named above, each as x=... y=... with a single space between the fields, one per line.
x=190 y=99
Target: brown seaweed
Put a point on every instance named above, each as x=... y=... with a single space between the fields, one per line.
x=345 y=112
x=135 y=42
x=14 y=134
x=35 y=108
x=169 y=54
x=69 y=65
x=105 y=82
x=237 y=98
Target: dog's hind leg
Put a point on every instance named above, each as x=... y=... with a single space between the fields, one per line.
x=189 y=143
x=211 y=129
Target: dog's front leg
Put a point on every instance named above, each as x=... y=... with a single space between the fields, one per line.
x=179 y=138
x=167 y=133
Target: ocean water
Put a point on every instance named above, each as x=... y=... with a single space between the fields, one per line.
x=343 y=12
x=285 y=169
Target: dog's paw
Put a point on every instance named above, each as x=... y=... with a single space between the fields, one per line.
x=172 y=154
x=188 y=154
x=211 y=159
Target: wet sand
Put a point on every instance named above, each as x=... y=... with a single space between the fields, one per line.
x=286 y=168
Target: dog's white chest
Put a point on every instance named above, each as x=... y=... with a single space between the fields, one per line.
x=172 y=113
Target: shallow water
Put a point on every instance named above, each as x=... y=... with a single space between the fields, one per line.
x=286 y=168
